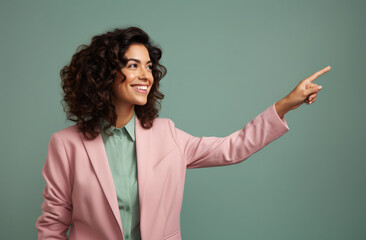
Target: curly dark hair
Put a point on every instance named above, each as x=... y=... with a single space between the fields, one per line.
x=88 y=80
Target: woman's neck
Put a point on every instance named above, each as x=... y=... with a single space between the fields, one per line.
x=124 y=115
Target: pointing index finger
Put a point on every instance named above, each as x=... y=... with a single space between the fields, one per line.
x=318 y=73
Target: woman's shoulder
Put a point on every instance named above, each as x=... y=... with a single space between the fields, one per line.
x=71 y=130
x=163 y=123
x=71 y=133
x=159 y=125
x=160 y=120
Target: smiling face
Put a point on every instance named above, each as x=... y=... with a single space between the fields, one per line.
x=133 y=89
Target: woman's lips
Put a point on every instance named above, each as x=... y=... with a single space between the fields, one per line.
x=140 y=88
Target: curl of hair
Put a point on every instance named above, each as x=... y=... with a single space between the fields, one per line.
x=87 y=81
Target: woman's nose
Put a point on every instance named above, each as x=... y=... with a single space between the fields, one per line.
x=143 y=74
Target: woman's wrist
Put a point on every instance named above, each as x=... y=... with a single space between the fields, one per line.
x=282 y=107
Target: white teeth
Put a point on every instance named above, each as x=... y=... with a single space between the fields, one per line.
x=142 y=87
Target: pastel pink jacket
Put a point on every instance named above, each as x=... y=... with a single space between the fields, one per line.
x=80 y=192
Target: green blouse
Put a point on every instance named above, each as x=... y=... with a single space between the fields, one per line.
x=121 y=154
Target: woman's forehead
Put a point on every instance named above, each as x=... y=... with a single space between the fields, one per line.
x=137 y=51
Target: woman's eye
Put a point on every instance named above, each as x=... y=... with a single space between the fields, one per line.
x=132 y=65
x=150 y=67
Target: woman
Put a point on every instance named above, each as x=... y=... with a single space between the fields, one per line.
x=119 y=172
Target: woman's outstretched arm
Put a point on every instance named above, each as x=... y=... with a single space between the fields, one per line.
x=238 y=146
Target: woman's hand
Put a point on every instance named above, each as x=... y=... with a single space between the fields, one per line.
x=305 y=92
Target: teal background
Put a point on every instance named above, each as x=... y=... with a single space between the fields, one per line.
x=227 y=61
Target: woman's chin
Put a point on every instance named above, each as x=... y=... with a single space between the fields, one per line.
x=141 y=103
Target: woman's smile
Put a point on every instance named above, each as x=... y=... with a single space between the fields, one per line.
x=140 y=88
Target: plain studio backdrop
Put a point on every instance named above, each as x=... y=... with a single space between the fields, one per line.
x=227 y=62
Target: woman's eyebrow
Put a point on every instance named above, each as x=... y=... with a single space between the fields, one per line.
x=138 y=61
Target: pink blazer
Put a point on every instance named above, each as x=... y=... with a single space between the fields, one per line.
x=80 y=191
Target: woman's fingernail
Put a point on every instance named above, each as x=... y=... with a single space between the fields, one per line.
x=320 y=87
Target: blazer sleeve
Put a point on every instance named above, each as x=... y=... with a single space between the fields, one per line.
x=57 y=206
x=238 y=146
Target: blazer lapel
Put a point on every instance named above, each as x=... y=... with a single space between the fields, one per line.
x=143 y=140
x=98 y=158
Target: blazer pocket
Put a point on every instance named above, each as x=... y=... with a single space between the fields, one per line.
x=166 y=156
x=173 y=236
